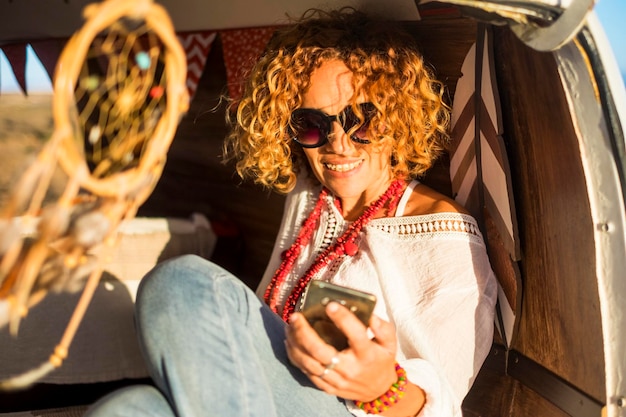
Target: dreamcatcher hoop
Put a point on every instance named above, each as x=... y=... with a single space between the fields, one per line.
x=102 y=16
x=120 y=90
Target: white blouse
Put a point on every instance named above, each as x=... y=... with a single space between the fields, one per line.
x=433 y=281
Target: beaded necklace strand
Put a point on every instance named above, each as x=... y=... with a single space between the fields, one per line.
x=343 y=246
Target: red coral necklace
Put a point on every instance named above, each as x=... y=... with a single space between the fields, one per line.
x=343 y=246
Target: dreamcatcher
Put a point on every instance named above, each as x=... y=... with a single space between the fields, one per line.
x=119 y=93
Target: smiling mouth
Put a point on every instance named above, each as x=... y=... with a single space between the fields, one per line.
x=343 y=167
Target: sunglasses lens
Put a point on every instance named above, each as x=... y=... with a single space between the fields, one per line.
x=309 y=136
x=351 y=120
x=308 y=127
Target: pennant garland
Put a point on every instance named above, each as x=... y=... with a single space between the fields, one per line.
x=16 y=55
x=242 y=47
x=48 y=52
x=197 y=46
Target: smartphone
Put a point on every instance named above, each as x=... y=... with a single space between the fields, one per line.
x=319 y=294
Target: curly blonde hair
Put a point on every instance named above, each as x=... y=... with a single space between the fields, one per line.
x=388 y=71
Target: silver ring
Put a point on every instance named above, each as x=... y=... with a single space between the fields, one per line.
x=334 y=361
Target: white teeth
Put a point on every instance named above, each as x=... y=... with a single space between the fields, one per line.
x=343 y=167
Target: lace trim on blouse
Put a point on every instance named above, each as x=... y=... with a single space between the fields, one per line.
x=406 y=227
x=428 y=224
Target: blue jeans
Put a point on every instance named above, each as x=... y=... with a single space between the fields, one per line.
x=213 y=349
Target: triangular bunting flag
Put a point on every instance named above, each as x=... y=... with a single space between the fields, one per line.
x=48 y=52
x=197 y=46
x=242 y=48
x=16 y=55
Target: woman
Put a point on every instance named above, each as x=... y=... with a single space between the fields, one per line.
x=341 y=113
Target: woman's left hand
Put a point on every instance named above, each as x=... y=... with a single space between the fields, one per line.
x=363 y=371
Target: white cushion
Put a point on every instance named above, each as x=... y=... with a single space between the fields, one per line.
x=105 y=346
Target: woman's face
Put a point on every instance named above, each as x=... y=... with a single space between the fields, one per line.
x=356 y=173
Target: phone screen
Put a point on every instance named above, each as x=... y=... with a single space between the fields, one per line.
x=319 y=294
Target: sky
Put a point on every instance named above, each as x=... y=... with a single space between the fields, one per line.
x=610 y=12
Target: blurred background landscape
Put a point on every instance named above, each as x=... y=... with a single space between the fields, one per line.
x=25 y=124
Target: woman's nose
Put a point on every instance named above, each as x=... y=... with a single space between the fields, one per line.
x=338 y=139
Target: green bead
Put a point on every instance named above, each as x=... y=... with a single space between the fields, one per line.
x=143 y=60
x=90 y=83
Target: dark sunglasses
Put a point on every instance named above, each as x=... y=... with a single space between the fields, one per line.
x=311 y=127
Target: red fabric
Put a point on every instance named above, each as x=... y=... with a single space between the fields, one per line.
x=48 y=52
x=197 y=46
x=242 y=48
x=16 y=55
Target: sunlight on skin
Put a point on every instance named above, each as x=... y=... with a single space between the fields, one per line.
x=357 y=174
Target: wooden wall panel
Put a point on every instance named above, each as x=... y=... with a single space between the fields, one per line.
x=444 y=42
x=526 y=402
x=492 y=391
x=560 y=325
x=495 y=394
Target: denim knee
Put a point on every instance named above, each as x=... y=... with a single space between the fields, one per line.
x=173 y=287
x=171 y=274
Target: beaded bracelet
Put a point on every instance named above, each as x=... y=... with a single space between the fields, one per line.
x=389 y=398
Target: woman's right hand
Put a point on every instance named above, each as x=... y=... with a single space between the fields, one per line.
x=363 y=371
